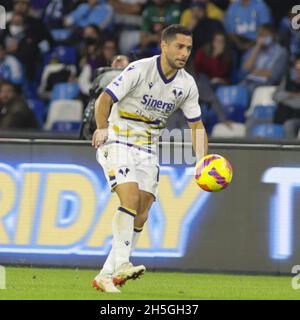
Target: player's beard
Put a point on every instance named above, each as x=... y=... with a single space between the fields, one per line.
x=173 y=65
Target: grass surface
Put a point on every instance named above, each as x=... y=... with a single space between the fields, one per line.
x=38 y=283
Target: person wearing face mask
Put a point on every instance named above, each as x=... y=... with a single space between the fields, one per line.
x=20 y=43
x=287 y=96
x=35 y=26
x=91 y=57
x=266 y=62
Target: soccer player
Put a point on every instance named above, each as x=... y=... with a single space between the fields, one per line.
x=130 y=115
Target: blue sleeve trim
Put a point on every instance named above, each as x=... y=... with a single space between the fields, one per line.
x=194 y=119
x=115 y=99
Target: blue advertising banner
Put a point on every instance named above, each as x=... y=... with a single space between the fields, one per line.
x=56 y=209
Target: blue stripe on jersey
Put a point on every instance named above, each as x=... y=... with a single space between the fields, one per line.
x=140 y=120
x=194 y=119
x=115 y=99
x=162 y=75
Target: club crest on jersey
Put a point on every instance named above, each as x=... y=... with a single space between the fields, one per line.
x=151 y=85
x=177 y=93
x=124 y=172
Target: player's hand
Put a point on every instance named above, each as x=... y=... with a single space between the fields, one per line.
x=99 y=137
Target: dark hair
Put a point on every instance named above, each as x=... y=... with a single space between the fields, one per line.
x=268 y=27
x=226 y=56
x=170 y=32
x=95 y=28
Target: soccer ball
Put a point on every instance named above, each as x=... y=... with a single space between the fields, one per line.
x=213 y=173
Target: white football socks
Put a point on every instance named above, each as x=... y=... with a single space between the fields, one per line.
x=121 y=247
x=136 y=235
x=123 y=235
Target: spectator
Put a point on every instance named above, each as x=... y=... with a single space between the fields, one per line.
x=242 y=21
x=91 y=12
x=55 y=12
x=213 y=12
x=14 y=111
x=110 y=50
x=92 y=57
x=266 y=62
x=128 y=18
x=156 y=17
x=289 y=37
x=214 y=60
x=287 y=96
x=202 y=26
x=19 y=42
x=10 y=68
x=35 y=26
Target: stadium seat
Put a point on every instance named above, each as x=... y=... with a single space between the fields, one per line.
x=69 y=111
x=62 y=54
x=38 y=107
x=66 y=126
x=264 y=112
x=268 y=130
x=262 y=96
x=237 y=130
x=68 y=90
x=235 y=100
x=61 y=34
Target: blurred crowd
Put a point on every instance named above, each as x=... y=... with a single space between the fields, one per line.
x=50 y=52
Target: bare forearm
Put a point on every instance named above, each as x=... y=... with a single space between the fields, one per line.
x=199 y=140
x=102 y=110
x=200 y=144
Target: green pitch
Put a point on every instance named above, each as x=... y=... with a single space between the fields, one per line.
x=38 y=283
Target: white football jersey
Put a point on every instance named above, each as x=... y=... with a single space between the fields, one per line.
x=144 y=99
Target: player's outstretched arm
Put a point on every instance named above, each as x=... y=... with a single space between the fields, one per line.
x=199 y=139
x=102 y=110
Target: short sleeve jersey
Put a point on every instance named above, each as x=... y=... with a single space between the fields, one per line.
x=144 y=99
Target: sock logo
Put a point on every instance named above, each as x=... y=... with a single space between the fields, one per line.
x=124 y=172
x=127 y=243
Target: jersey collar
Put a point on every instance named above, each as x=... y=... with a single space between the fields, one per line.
x=163 y=77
